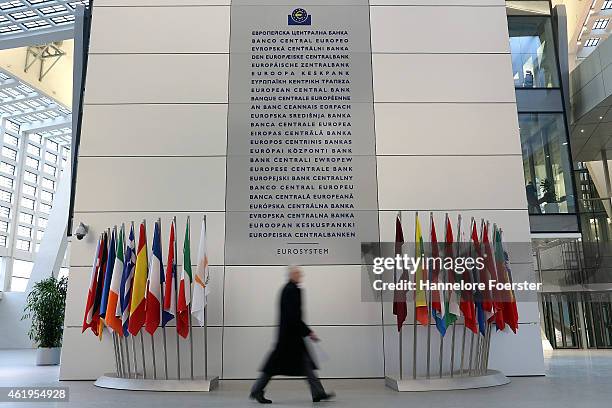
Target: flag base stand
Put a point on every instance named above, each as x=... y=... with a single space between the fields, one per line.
x=198 y=384
x=491 y=379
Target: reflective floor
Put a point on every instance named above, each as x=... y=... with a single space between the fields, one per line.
x=574 y=378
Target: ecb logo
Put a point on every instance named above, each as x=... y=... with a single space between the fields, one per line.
x=299 y=16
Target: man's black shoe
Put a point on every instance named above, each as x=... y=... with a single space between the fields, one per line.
x=324 y=397
x=259 y=397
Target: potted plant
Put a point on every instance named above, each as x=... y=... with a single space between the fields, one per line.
x=45 y=305
x=549 y=196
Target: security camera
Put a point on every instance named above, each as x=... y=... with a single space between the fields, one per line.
x=81 y=231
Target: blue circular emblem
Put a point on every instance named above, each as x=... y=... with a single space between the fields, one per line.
x=299 y=15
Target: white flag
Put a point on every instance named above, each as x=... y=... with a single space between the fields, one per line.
x=200 y=280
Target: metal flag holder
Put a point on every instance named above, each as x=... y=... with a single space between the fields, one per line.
x=132 y=373
x=462 y=363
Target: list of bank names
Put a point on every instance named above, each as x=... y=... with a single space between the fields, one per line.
x=301 y=177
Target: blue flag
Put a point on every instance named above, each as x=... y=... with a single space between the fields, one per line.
x=125 y=290
x=110 y=263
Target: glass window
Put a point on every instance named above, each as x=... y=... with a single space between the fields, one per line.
x=534 y=60
x=4 y=226
x=35 y=137
x=5 y=212
x=27 y=203
x=6 y=196
x=10 y=153
x=2 y=241
x=24 y=231
x=6 y=182
x=32 y=162
x=29 y=176
x=546 y=163
x=50 y=184
x=49 y=169
x=42 y=222
x=52 y=145
x=45 y=208
x=50 y=157
x=45 y=195
x=26 y=218
x=22 y=245
x=7 y=168
x=39 y=234
x=33 y=150
x=29 y=190
x=10 y=139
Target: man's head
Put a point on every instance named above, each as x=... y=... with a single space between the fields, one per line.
x=295 y=274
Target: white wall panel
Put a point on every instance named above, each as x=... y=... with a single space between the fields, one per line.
x=418 y=2
x=100 y=357
x=439 y=29
x=165 y=3
x=200 y=30
x=151 y=184
x=332 y=295
x=79 y=285
x=446 y=129
x=82 y=252
x=440 y=183
x=157 y=78
x=154 y=130
x=526 y=345
x=356 y=351
x=442 y=78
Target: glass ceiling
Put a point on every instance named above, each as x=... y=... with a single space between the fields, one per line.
x=18 y=17
x=30 y=110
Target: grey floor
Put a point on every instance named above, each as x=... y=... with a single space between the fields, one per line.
x=574 y=378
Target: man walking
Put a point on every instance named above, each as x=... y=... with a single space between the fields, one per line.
x=290 y=356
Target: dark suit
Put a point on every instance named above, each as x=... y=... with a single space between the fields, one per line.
x=290 y=356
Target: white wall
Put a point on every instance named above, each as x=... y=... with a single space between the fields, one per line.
x=154 y=136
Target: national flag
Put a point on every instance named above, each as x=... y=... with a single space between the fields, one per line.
x=466 y=304
x=170 y=281
x=496 y=296
x=436 y=276
x=419 y=296
x=88 y=318
x=184 y=296
x=113 y=309
x=98 y=322
x=452 y=305
x=156 y=278
x=509 y=305
x=127 y=280
x=108 y=276
x=400 y=308
x=201 y=290
x=139 y=286
x=479 y=295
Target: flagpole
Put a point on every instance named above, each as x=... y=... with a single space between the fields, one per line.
x=452 y=363
x=146 y=248
x=162 y=310
x=142 y=348
x=189 y=308
x=459 y=248
x=414 y=335
x=127 y=354
x=120 y=350
x=205 y=316
x=117 y=365
x=471 y=353
x=430 y=308
x=135 y=358
x=174 y=273
x=442 y=301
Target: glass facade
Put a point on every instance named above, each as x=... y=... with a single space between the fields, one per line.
x=546 y=163
x=534 y=60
